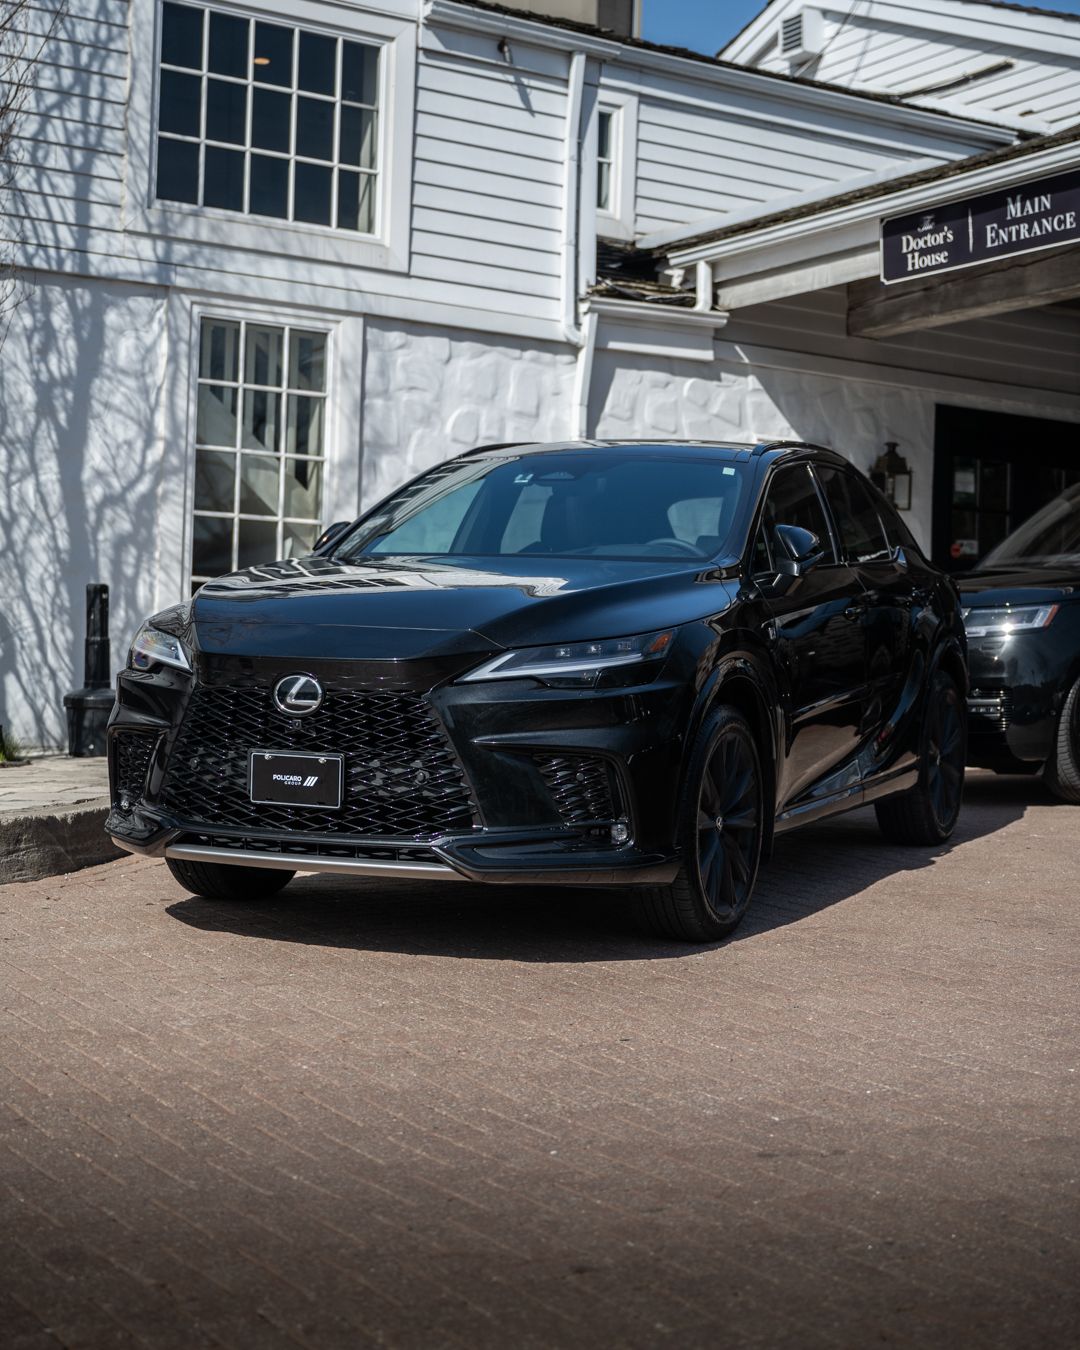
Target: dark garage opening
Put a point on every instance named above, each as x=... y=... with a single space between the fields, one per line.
x=991 y=471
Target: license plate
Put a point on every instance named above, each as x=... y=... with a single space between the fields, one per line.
x=284 y=778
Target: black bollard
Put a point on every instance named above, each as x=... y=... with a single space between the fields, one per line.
x=88 y=708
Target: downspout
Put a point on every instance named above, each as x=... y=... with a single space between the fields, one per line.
x=581 y=335
x=579 y=424
x=575 y=89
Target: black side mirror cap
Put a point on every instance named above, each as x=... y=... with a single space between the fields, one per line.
x=798 y=552
x=330 y=536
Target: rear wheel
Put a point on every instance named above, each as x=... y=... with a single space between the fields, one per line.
x=221 y=881
x=720 y=826
x=1062 y=772
x=928 y=812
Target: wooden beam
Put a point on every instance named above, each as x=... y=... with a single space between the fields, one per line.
x=879 y=311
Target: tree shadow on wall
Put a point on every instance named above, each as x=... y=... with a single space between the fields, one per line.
x=80 y=379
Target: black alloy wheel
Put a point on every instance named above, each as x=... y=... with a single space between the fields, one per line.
x=723 y=816
x=945 y=753
x=729 y=825
x=927 y=813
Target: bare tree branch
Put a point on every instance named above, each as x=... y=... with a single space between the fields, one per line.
x=26 y=30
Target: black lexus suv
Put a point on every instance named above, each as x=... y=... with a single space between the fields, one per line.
x=598 y=663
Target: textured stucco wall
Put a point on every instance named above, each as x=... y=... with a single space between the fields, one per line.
x=80 y=384
x=642 y=396
x=429 y=395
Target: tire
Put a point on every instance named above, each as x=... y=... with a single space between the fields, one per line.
x=927 y=813
x=713 y=888
x=1062 y=772
x=223 y=881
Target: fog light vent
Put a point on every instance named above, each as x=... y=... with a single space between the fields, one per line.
x=581 y=786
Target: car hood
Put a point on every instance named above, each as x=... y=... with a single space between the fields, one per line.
x=1021 y=586
x=397 y=608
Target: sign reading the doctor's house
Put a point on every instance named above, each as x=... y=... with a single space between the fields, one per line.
x=1020 y=219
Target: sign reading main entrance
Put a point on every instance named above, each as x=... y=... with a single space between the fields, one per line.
x=1021 y=219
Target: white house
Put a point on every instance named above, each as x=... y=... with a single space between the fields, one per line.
x=278 y=259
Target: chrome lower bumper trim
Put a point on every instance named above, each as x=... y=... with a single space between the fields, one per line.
x=303 y=862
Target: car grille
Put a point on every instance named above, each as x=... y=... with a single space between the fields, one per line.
x=401 y=778
x=990 y=709
x=581 y=786
x=132 y=753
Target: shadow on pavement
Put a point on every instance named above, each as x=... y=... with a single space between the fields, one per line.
x=811 y=870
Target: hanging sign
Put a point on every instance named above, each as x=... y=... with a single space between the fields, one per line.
x=1021 y=219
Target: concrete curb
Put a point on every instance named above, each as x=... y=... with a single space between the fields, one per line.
x=37 y=843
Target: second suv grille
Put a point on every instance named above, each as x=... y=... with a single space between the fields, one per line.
x=401 y=777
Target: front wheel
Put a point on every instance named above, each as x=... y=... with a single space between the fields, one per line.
x=223 y=881
x=1062 y=772
x=927 y=813
x=720 y=829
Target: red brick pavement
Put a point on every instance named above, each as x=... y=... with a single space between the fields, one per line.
x=391 y=1115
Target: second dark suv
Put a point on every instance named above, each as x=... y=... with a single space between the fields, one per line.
x=602 y=663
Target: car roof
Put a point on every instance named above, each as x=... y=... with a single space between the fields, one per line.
x=728 y=450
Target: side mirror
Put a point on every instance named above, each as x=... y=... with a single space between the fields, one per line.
x=330 y=536
x=800 y=551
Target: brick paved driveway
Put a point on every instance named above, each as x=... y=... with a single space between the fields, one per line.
x=452 y=1117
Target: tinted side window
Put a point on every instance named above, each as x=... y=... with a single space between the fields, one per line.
x=792 y=499
x=855 y=515
x=896 y=532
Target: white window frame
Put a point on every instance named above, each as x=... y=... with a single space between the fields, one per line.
x=342 y=462
x=617 y=222
x=387 y=248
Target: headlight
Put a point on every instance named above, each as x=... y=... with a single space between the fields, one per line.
x=575 y=664
x=155 y=648
x=1003 y=621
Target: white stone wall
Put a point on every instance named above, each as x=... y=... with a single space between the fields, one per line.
x=430 y=394
x=642 y=396
x=81 y=374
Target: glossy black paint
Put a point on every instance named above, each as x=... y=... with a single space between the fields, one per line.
x=830 y=663
x=1019 y=683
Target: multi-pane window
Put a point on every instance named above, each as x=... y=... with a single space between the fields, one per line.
x=605 y=160
x=267 y=119
x=260 y=444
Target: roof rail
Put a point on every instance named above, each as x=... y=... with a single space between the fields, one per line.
x=501 y=445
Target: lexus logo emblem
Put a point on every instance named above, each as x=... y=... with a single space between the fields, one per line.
x=298 y=695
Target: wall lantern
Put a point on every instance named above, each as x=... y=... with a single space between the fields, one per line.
x=891 y=473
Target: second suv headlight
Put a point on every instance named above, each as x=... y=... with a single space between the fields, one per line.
x=1002 y=621
x=574 y=664
x=152 y=647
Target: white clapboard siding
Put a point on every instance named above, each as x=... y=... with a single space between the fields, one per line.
x=489 y=171
x=895 y=46
x=704 y=150
x=1034 y=347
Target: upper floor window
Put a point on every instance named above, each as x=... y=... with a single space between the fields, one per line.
x=605 y=160
x=267 y=119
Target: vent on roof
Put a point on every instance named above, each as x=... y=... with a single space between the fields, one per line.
x=802 y=35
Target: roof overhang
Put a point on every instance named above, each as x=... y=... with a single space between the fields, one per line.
x=837 y=241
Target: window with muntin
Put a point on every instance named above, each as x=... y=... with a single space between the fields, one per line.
x=267 y=119
x=260 y=444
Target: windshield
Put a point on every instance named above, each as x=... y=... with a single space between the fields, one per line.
x=596 y=503
x=1051 y=535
